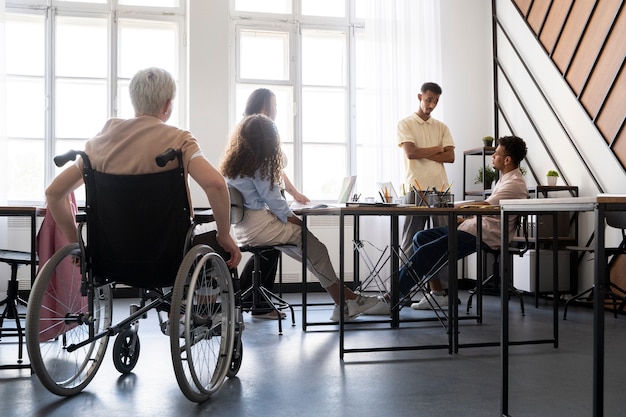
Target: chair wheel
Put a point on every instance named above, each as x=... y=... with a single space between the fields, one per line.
x=126 y=351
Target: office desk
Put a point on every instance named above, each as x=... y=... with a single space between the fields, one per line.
x=599 y=205
x=394 y=212
x=32 y=213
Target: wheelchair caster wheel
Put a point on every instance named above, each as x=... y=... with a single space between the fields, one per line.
x=126 y=351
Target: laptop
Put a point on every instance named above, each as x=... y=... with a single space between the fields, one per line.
x=345 y=195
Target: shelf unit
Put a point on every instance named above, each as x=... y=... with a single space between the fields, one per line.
x=483 y=152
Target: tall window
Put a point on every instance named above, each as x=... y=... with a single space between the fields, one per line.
x=68 y=67
x=303 y=51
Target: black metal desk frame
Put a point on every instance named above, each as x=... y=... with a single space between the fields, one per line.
x=394 y=213
x=599 y=205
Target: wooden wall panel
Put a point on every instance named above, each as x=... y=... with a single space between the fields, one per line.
x=611 y=120
x=586 y=40
x=554 y=24
x=523 y=6
x=572 y=32
x=604 y=75
x=538 y=13
x=590 y=46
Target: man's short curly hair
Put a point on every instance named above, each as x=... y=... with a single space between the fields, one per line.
x=514 y=147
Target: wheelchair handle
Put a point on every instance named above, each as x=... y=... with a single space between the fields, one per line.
x=70 y=155
x=165 y=157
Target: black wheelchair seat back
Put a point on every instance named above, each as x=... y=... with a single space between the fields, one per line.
x=137 y=226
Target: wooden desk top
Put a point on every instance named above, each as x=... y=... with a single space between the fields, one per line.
x=22 y=211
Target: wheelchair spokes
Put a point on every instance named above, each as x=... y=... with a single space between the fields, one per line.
x=61 y=322
x=203 y=303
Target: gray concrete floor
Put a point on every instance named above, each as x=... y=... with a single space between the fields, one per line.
x=300 y=373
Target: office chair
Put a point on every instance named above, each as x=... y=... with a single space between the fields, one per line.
x=257 y=292
x=494 y=280
x=15 y=259
x=616 y=219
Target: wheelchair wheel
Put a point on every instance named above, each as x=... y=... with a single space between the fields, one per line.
x=237 y=357
x=61 y=320
x=126 y=351
x=203 y=304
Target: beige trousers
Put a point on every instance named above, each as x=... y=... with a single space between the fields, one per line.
x=262 y=228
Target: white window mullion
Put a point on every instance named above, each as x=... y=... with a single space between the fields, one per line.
x=114 y=109
x=352 y=100
x=297 y=105
x=50 y=148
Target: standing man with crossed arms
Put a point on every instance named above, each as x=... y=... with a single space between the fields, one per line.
x=427 y=145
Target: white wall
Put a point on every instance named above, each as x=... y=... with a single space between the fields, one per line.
x=467 y=99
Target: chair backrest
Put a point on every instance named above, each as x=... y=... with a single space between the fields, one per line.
x=236 y=205
x=617 y=219
x=137 y=226
x=521 y=225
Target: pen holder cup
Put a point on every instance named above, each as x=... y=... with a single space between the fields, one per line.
x=437 y=199
x=410 y=197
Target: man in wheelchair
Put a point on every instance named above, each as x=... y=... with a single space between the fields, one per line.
x=139 y=227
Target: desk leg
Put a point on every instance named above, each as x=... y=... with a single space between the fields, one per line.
x=342 y=281
x=453 y=291
x=33 y=248
x=598 y=314
x=394 y=268
x=505 y=270
x=304 y=272
x=555 y=279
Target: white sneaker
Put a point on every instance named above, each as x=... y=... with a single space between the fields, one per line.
x=335 y=316
x=354 y=307
x=381 y=308
x=360 y=304
x=431 y=301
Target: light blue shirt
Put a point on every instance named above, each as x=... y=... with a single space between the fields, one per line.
x=257 y=195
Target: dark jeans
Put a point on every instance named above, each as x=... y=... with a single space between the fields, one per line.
x=429 y=246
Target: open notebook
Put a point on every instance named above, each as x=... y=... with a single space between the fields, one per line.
x=347 y=187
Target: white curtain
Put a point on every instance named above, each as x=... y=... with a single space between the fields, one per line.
x=3 y=104
x=3 y=136
x=403 y=43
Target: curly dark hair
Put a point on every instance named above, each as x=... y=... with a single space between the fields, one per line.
x=514 y=147
x=254 y=146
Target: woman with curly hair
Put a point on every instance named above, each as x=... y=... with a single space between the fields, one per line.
x=253 y=164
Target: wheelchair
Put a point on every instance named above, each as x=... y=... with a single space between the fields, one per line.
x=135 y=230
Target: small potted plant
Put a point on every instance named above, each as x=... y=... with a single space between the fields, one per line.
x=488 y=141
x=552 y=176
x=489 y=177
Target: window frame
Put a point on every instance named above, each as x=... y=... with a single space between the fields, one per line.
x=112 y=12
x=294 y=24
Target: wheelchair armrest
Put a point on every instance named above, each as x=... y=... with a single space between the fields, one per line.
x=203 y=215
